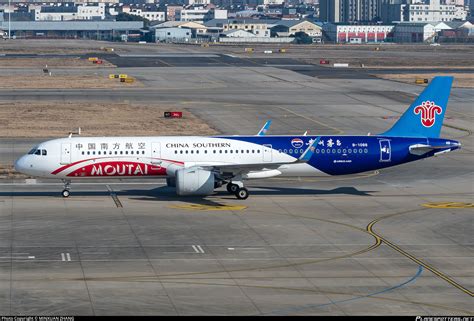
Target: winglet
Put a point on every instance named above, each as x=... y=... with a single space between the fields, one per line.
x=265 y=128
x=309 y=152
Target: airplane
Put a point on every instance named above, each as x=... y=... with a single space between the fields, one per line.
x=198 y=165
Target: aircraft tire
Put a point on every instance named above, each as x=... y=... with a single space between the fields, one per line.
x=65 y=193
x=232 y=188
x=242 y=193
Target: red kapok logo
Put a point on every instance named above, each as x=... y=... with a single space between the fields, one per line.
x=428 y=111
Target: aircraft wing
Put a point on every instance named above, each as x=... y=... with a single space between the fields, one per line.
x=421 y=149
x=245 y=168
x=265 y=128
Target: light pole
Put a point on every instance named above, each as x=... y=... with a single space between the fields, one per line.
x=9 y=19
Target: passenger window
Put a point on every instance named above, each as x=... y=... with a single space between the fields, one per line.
x=349 y=150
x=242 y=151
x=126 y=152
x=323 y=151
x=253 y=151
x=343 y=151
x=291 y=151
x=93 y=152
x=205 y=151
x=317 y=151
x=236 y=151
x=360 y=150
x=366 y=150
x=121 y=152
x=186 y=151
x=88 y=153
x=98 y=152
x=192 y=152
x=225 y=151
x=285 y=151
x=110 y=153
x=131 y=152
x=248 y=151
x=176 y=152
x=116 y=152
x=82 y=153
x=258 y=151
x=44 y=152
x=328 y=151
x=214 y=151
x=220 y=151
x=197 y=152
x=339 y=151
x=180 y=151
x=334 y=151
x=143 y=152
x=231 y=151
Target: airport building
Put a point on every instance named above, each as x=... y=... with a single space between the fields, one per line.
x=97 y=30
x=418 y=31
x=173 y=34
x=342 y=33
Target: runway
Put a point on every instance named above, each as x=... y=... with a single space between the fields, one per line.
x=372 y=243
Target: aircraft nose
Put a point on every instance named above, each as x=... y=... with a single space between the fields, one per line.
x=20 y=164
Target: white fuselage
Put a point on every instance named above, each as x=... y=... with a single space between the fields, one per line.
x=86 y=157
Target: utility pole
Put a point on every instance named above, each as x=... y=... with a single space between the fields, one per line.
x=9 y=19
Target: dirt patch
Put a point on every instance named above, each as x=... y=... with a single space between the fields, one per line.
x=64 y=82
x=43 y=119
x=51 y=63
x=8 y=172
x=461 y=80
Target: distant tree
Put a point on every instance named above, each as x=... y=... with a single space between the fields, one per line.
x=302 y=38
x=130 y=17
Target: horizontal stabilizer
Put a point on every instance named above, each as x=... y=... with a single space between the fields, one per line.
x=421 y=149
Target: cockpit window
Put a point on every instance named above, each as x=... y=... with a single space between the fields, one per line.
x=44 y=152
x=38 y=152
x=31 y=152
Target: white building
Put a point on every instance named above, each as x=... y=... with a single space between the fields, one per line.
x=357 y=33
x=200 y=14
x=420 y=12
x=194 y=14
x=150 y=15
x=273 y=2
x=67 y=12
x=198 y=2
x=418 y=31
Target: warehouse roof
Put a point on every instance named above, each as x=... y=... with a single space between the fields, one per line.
x=72 y=25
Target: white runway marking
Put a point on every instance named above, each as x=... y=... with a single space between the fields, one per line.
x=198 y=249
x=65 y=257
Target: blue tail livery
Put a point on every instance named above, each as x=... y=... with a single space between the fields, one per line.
x=195 y=165
x=425 y=116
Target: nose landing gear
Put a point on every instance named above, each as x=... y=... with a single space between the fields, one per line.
x=67 y=186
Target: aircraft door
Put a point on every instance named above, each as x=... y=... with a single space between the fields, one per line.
x=267 y=153
x=385 y=150
x=65 y=153
x=155 y=153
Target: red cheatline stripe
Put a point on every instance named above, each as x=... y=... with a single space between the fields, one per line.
x=60 y=169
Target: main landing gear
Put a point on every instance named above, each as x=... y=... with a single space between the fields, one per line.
x=67 y=186
x=239 y=191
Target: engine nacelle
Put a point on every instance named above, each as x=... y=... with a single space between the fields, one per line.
x=194 y=181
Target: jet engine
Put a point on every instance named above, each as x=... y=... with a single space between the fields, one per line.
x=194 y=181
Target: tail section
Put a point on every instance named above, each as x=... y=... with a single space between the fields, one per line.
x=425 y=116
